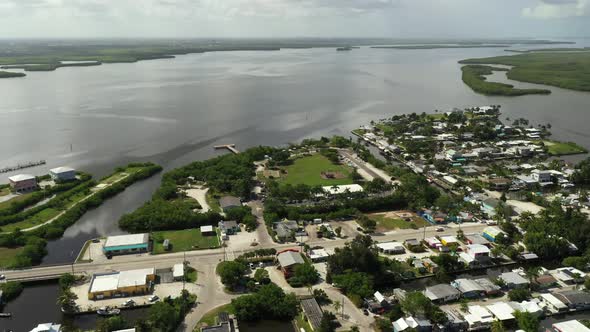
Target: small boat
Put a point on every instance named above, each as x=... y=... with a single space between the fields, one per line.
x=5 y=315
x=107 y=311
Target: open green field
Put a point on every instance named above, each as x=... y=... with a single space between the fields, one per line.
x=210 y=317
x=20 y=197
x=37 y=219
x=184 y=240
x=556 y=148
x=568 y=70
x=308 y=170
x=474 y=77
x=385 y=223
x=7 y=254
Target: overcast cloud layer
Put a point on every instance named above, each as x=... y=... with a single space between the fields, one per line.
x=294 y=18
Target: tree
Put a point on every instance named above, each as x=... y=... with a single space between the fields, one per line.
x=337 y=306
x=162 y=315
x=321 y=297
x=415 y=303
x=527 y=321
x=261 y=275
x=497 y=326
x=111 y=324
x=328 y=322
x=305 y=274
x=269 y=302
x=11 y=290
x=67 y=300
x=519 y=294
x=338 y=231
x=231 y=273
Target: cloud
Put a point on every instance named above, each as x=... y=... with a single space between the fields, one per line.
x=547 y=9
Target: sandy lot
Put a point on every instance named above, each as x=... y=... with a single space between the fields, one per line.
x=200 y=194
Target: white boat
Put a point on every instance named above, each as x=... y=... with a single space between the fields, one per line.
x=107 y=311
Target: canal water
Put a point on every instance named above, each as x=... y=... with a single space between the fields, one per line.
x=172 y=111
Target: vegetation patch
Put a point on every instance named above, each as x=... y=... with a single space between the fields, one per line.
x=556 y=148
x=390 y=221
x=474 y=77
x=316 y=170
x=8 y=74
x=568 y=70
x=7 y=256
x=210 y=318
x=184 y=240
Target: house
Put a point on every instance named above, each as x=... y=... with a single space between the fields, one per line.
x=502 y=311
x=476 y=239
x=288 y=259
x=442 y=293
x=312 y=311
x=126 y=244
x=229 y=227
x=412 y=243
x=62 y=174
x=207 y=230
x=433 y=242
x=430 y=266
x=489 y=205
x=545 y=281
x=391 y=248
x=225 y=323
x=449 y=240
x=47 y=327
x=455 y=321
x=491 y=233
x=569 y=275
x=411 y=323
x=570 y=326
x=488 y=286
x=124 y=283
x=478 y=317
x=477 y=250
x=541 y=176
x=229 y=202
x=574 y=299
x=286 y=230
x=178 y=272
x=513 y=280
x=318 y=255
x=378 y=304
x=552 y=303
x=499 y=184
x=531 y=307
x=23 y=183
x=468 y=288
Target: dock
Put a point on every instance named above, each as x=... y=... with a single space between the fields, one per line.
x=230 y=147
x=21 y=166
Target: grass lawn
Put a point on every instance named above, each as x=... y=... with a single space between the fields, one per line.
x=191 y=275
x=563 y=148
x=7 y=203
x=307 y=170
x=385 y=223
x=184 y=240
x=4 y=191
x=210 y=317
x=213 y=202
x=6 y=255
x=39 y=218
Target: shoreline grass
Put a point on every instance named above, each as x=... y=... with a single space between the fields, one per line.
x=474 y=77
x=567 y=70
x=556 y=148
x=9 y=74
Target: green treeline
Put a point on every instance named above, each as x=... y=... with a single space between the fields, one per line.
x=568 y=70
x=50 y=66
x=433 y=47
x=228 y=174
x=473 y=76
x=8 y=74
x=34 y=242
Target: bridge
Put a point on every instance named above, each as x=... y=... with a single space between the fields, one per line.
x=230 y=147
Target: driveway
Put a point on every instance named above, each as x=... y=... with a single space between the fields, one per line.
x=200 y=194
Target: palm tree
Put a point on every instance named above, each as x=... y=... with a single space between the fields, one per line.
x=532 y=273
x=337 y=305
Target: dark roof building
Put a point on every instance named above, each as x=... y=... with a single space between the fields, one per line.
x=312 y=312
x=228 y=202
x=574 y=299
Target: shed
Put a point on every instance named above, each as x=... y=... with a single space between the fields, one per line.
x=178 y=271
x=207 y=230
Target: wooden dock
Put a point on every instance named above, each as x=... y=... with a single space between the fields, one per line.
x=230 y=147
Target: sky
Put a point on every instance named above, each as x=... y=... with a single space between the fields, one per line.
x=294 y=18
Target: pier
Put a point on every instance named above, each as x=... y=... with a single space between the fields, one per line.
x=230 y=147
x=21 y=166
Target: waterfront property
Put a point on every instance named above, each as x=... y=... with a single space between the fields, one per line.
x=442 y=293
x=47 y=327
x=570 y=326
x=23 y=183
x=126 y=244
x=312 y=311
x=513 y=280
x=124 y=283
x=225 y=323
x=61 y=174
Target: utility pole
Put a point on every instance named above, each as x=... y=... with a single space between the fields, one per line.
x=183 y=271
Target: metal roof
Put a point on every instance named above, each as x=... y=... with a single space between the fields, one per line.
x=312 y=311
x=289 y=258
x=21 y=177
x=62 y=169
x=127 y=240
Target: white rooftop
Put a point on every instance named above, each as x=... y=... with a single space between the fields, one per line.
x=549 y=298
x=21 y=177
x=206 y=229
x=386 y=246
x=335 y=190
x=47 y=327
x=502 y=310
x=134 y=277
x=106 y=282
x=449 y=239
x=571 y=326
x=475 y=249
x=178 y=270
x=318 y=253
x=113 y=281
x=126 y=240
x=63 y=169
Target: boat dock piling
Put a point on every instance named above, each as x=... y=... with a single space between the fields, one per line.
x=230 y=147
x=21 y=166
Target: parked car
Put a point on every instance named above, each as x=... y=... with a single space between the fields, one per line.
x=440 y=229
x=129 y=303
x=2 y=277
x=251 y=266
x=153 y=298
x=95 y=240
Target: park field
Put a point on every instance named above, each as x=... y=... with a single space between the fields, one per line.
x=386 y=222
x=184 y=240
x=308 y=170
x=556 y=148
x=568 y=70
x=7 y=254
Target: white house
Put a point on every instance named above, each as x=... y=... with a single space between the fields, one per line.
x=62 y=173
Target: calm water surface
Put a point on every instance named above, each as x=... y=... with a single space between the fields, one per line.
x=173 y=111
